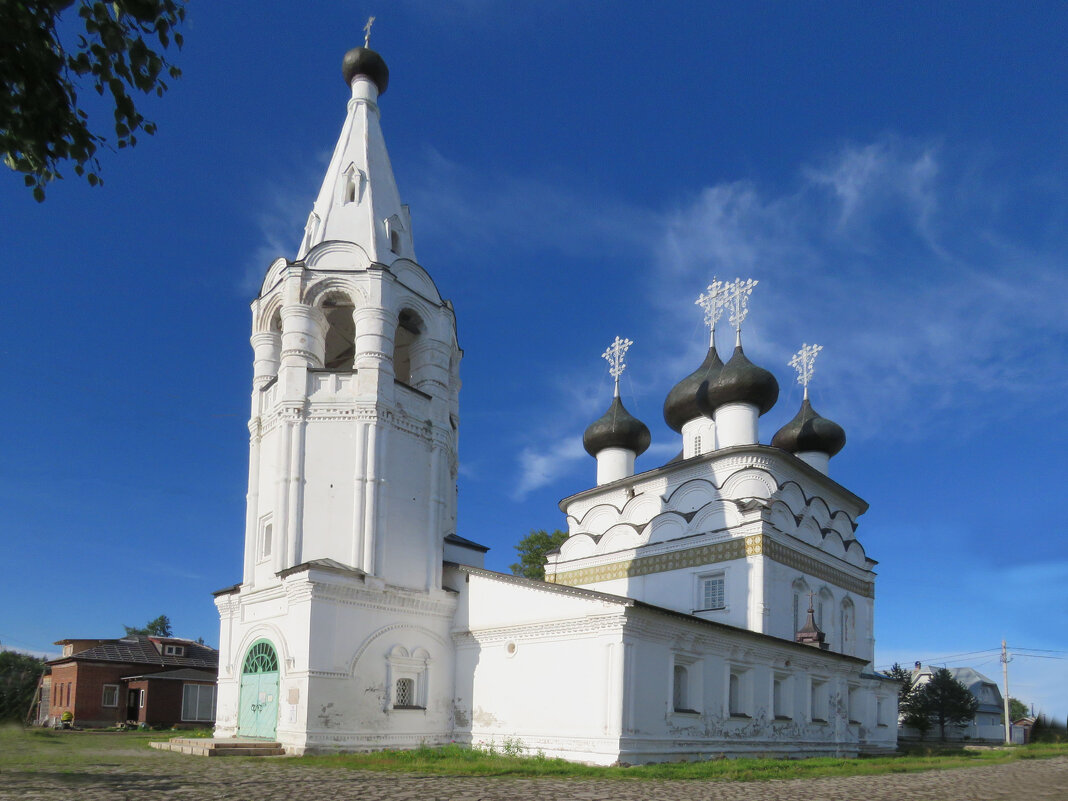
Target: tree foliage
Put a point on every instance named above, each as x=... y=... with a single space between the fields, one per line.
x=160 y=627
x=18 y=682
x=42 y=123
x=532 y=550
x=1017 y=709
x=945 y=701
x=911 y=707
x=1045 y=730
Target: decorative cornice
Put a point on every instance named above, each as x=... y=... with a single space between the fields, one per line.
x=725 y=551
x=551 y=630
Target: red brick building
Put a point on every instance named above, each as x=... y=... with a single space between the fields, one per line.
x=137 y=680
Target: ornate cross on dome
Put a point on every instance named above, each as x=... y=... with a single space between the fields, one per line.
x=615 y=354
x=737 y=294
x=367 y=31
x=804 y=362
x=712 y=303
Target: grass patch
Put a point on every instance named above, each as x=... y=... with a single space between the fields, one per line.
x=87 y=752
x=456 y=760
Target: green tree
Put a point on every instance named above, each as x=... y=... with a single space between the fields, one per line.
x=18 y=682
x=945 y=701
x=1045 y=730
x=42 y=123
x=532 y=550
x=1017 y=709
x=910 y=704
x=160 y=627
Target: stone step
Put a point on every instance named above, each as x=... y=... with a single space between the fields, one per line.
x=198 y=746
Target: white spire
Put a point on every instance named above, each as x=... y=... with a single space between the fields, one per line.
x=359 y=201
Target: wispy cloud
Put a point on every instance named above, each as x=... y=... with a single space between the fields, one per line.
x=541 y=466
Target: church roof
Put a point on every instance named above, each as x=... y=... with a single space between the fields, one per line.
x=463 y=542
x=565 y=589
x=722 y=453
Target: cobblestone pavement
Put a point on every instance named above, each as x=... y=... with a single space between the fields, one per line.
x=174 y=777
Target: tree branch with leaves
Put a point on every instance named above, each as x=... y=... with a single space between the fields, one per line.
x=119 y=49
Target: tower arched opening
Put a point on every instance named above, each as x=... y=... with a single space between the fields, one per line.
x=409 y=328
x=340 y=333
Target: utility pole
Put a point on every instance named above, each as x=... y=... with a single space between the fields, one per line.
x=1005 y=694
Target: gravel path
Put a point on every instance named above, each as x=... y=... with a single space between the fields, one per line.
x=173 y=777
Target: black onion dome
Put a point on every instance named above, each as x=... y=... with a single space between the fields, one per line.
x=617 y=428
x=740 y=381
x=681 y=404
x=365 y=61
x=810 y=432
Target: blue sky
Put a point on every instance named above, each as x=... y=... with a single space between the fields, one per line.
x=895 y=178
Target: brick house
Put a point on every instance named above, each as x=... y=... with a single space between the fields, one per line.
x=138 y=680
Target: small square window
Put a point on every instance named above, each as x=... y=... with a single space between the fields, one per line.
x=111 y=696
x=174 y=650
x=711 y=592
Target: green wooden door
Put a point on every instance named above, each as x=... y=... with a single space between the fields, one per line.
x=258 y=713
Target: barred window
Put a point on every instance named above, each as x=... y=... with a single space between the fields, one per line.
x=405 y=692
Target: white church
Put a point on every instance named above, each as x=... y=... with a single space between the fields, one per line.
x=720 y=604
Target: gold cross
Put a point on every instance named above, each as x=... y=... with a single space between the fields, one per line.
x=367 y=31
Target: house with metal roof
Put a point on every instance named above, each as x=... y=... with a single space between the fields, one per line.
x=137 y=680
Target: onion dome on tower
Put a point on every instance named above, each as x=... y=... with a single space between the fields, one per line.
x=812 y=438
x=365 y=61
x=681 y=408
x=740 y=381
x=681 y=404
x=617 y=437
x=741 y=391
x=616 y=428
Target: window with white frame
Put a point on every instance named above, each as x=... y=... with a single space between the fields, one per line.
x=819 y=701
x=198 y=702
x=173 y=650
x=781 y=697
x=111 y=696
x=711 y=591
x=408 y=677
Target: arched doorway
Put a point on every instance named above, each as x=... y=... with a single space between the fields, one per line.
x=258 y=712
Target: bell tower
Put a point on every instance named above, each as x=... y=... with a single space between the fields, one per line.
x=353 y=445
x=354 y=407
